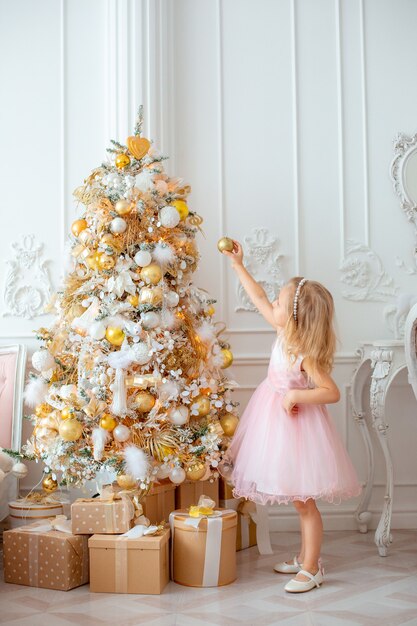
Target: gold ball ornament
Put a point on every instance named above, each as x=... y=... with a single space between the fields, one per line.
x=111 y=241
x=123 y=207
x=106 y=262
x=227 y=358
x=67 y=412
x=108 y=422
x=133 y=300
x=78 y=226
x=121 y=161
x=229 y=423
x=182 y=208
x=150 y=295
x=225 y=244
x=70 y=429
x=151 y=273
x=42 y=410
x=126 y=481
x=143 y=402
x=195 y=471
x=93 y=260
x=203 y=405
x=49 y=484
x=210 y=311
x=115 y=335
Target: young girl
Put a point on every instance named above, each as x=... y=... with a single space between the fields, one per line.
x=286 y=447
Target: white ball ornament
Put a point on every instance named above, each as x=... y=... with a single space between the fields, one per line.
x=142 y=258
x=118 y=225
x=177 y=475
x=121 y=433
x=42 y=360
x=178 y=415
x=171 y=298
x=163 y=471
x=19 y=470
x=67 y=391
x=150 y=320
x=141 y=353
x=97 y=330
x=169 y=217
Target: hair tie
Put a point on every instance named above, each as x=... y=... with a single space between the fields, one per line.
x=296 y=296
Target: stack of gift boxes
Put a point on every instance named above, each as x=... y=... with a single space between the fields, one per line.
x=107 y=544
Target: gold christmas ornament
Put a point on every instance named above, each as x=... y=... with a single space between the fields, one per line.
x=108 y=239
x=51 y=421
x=93 y=260
x=195 y=471
x=138 y=146
x=229 y=423
x=225 y=244
x=107 y=422
x=203 y=405
x=67 y=412
x=151 y=273
x=227 y=358
x=42 y=410
x=78 y=226
x=115 y=335
x=70 y=430
x=182 y=208
x=133 y=300
x=121 y=161
x=210 y=311
x=106 y=262
x=126 y=481
x=143 y=402
x=123 y=207
x=149 y=295
x=49 y=484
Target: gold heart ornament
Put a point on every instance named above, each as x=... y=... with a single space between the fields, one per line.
x=138 y=146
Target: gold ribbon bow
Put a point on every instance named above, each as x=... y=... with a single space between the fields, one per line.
x=205 y=507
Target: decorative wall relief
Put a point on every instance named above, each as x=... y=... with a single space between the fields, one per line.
x=28 y=285
x=363 y=275
x=264 y=262
x=395 y=315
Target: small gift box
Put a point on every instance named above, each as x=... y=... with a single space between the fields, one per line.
x=35 y=507
x=188 y=492
x=136 y=562
x=246 y=526
x=203 y=545
x=45 y=554
x=159 y=502
x=110 y=513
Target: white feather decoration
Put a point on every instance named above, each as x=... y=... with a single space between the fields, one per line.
x=100 y=437
x=136 y=462
x=35 y=392
x=120 y=359
x=163 y=254
x=119 y=406
x=206 y=332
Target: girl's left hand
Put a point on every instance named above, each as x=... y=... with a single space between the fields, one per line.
x=289 y=404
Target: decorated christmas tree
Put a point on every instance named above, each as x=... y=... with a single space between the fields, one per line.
x=130 y=374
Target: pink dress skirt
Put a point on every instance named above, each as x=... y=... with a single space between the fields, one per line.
x=279 y=458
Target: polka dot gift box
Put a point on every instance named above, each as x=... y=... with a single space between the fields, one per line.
x=105 y=515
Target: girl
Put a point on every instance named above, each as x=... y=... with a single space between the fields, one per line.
x=286 y=448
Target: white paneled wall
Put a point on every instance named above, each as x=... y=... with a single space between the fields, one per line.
x=281 y=115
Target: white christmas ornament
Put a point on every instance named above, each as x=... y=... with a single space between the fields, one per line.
x=42 y=360
x=121 y=433
x=178 y=415
x=177 y=475
x=169 y=217
x=150 y=319
x=171 y=298
x=140 y=353
x=97 y=330
x=66 y=391
x=19 y=470
x=142 y=258
x=163 y=471
x=118 y=225
x=144 y=181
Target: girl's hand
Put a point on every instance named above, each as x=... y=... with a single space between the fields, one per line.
x=290 y=404
x=236 y=255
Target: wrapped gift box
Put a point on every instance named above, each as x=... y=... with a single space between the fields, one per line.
x=204 y=549
x=25 y=511
x=188 y=492
x=246 y=527
x=90 y=516
x=159 y=502
x=128 y=565
x=50 y=559
x=225 y=490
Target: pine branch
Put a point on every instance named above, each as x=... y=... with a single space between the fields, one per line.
x=21 y=456
x=139 y=121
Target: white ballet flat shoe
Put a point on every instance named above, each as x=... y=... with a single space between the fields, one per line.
x=300 y=586
x=288 y=568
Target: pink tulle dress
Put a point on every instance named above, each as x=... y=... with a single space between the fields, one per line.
x=277 y=457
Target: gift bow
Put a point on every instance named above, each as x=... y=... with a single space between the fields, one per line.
x=59 y=522
x=141 y=530
x=204 y=508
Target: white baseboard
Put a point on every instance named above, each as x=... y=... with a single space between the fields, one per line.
x=340 y=519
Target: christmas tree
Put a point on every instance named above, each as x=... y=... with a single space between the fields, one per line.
x=130 y=374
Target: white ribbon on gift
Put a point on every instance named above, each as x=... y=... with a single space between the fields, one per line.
x=121 y=546
x=59 y=522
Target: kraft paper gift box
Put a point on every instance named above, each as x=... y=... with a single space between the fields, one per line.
x=45 y=554
x=225 y=490
x=246 y=527
x=129 y=565
x=159 y=502
x=26 y=511
x=188 y=492
x=204 y=548
x=111 y=513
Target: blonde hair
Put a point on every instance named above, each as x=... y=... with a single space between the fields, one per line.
x=312 y=334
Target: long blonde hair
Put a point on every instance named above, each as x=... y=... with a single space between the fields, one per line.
x=312 y=334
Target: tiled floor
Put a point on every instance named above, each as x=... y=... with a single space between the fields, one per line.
x=360 y=588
